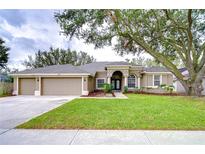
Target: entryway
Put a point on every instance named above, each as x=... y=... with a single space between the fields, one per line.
x=116 y=80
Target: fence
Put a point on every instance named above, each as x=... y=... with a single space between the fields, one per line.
x=6 y=88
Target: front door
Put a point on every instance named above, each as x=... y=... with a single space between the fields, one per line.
x=116 y=84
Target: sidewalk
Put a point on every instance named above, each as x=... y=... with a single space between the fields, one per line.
x=100 y=137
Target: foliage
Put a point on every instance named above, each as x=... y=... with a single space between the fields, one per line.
x=167 y=35
x=107 y=88
x=148 y=62
x=4 y=55
x=58 y=56
x=137 y=112
x=168 y=88
x=6 y=88
x=125 y=89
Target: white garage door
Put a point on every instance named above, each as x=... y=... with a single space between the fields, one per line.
x=61 y=86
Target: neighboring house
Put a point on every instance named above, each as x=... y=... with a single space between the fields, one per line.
x=178 y=86
x=80 y=80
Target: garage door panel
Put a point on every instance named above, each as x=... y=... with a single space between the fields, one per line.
x=27 y=86
x=61 y=86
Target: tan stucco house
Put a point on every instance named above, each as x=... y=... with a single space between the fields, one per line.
x=80 y=80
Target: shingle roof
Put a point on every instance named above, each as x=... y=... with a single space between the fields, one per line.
x=54 y=69
x=91 y=68
x=156 y=69
x=100 y=66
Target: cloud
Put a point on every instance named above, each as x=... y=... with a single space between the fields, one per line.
x=13 y=17
x=27 y=31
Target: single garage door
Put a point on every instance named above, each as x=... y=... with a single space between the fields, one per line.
x=26 y=86
x=61 y=86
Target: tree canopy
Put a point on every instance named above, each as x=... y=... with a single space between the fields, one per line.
x=148 y=62
x=166 y=35
x=4 y=55
x=57 y=56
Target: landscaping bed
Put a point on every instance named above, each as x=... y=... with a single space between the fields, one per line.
x=148 y=112
x=99 y=93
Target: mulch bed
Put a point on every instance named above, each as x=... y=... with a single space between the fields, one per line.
x=97 y=93
x=162 y=94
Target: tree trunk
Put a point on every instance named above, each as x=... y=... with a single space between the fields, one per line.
x=193 y=89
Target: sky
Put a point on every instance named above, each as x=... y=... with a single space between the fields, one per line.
x=27 y=31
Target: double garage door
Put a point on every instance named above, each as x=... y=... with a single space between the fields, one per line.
x=52 y=86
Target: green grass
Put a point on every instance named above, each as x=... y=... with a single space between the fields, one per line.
x=137 y=112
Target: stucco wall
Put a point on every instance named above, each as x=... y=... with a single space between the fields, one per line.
x=167 y=79
x=15 y=84
x=147 y=79
x=101 y=75
x=37 y=84
x=91 y=84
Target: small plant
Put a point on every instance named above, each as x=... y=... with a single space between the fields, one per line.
x=125 y=89
x=107 y=88
x=137 y=89
x=169 y=89
x=163 y=85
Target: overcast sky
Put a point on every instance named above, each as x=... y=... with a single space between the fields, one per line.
x=27 y=31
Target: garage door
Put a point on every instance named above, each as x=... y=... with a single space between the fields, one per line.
x=61 y=86
x=27 y=86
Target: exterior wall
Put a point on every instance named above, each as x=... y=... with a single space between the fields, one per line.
x=167 y=79
x=123 y=83
x=15 y=84
x=101 y=74
x=37 y=84
x=147 y=80
x=91 y=84
x=150 y=80
x=134 y=72
x=178 y=87
x=85 y=84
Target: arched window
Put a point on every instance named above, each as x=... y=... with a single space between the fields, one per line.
x=131 y=81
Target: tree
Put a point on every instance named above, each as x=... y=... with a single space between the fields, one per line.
x=56 y=57
x=148 y=62
x=166 y=35
x=4 y=55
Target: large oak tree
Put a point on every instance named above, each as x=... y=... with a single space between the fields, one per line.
x=164 y=34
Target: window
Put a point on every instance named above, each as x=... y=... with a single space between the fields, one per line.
x=156 y=80
x=100 y=83
x=131 y=81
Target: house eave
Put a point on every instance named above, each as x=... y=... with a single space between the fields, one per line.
x=52 y=74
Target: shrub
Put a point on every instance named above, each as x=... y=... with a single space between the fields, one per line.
x=169 y=88
x=107 y=88
x=137 y=89
x=125 y=89
x=163 y=85
x=5 y=88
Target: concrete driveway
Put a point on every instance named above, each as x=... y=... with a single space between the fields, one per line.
x=18 y=109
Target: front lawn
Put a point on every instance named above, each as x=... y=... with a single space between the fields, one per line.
x=137 y=112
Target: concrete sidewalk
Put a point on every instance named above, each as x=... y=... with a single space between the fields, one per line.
x=99 y=137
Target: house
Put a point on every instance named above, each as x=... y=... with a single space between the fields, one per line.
x=178 y=86
x=80 y=80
